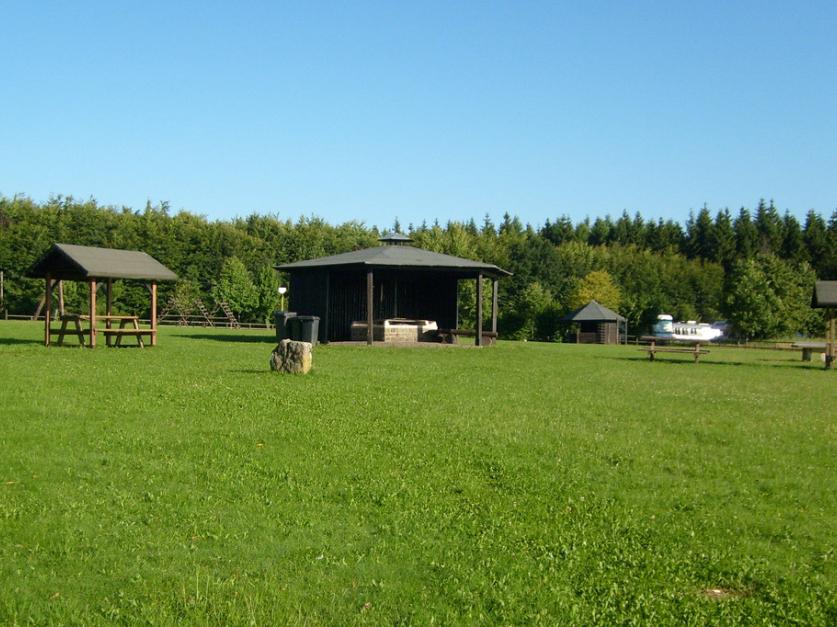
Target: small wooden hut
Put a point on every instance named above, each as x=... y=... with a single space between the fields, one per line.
x=825 y=297
x=94 y=266
x=393 y=280
x=598 y=325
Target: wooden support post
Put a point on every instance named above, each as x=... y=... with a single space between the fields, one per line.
x=154 y=314
x=109 y=309
x=478 y=322
x=92 y=307
x=48 y=314
x=61 y=298
x=456 y=318
x=494 y=287
x=370 y=306
x=325 y=320
x=829 y=340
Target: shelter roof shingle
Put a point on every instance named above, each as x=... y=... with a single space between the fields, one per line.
x=403 y=257
x=72 y=262
x=593 y=312
x=825 y=294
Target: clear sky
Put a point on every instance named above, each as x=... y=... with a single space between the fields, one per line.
x=422 y=110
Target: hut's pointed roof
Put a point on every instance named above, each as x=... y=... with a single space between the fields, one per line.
x=394 y=237
x=79 y=263
x=397 y=257
x=593 y=312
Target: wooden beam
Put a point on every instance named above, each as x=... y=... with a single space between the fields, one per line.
x=48 y=313
x=92 y=308
x=61 y=297
x=370 y=307
x=456 y=287
x=324 y=322
x=154 y=314
x=478 y=323
x=829 y=339
x=494 y=290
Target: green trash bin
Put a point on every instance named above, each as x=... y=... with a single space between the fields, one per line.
x=282 y=320
x=307 y=328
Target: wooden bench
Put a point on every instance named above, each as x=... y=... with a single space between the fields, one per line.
x=696 y=351
x=131 y=322
x=449 y=336
x=808 y=348
x=120 y=333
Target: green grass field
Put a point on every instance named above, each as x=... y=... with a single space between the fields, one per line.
x=524 y=483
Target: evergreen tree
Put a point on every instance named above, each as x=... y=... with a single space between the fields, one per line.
x=793 y=244
x=815 y=234
x=699 y=235
x=559 y=232
x=623 y=230
x=582 y=231
x=746 y=235
x=601 y=231
x=769 y=227
x=723 y=240
x=829 y=263
x=488 y=229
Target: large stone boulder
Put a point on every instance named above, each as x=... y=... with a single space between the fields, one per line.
x=292 y=357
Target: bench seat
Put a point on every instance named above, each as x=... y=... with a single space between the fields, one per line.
x=448 y=336
x=696 y=352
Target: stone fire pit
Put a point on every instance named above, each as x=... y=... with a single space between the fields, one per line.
x=397 y=331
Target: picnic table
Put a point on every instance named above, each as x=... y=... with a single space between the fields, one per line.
x=128 y=326
x=696 y=351
x=808 y=348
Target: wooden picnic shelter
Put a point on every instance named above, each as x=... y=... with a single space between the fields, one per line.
x=97 y=266
x=825 y=297
x=598 y=325
x=391 y=281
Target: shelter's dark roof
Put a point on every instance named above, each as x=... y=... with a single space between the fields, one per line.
x=825 y=294
x=593 y=312
x=68 y=261
x=403 y=257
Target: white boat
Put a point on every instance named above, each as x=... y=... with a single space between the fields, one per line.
x=691 y=331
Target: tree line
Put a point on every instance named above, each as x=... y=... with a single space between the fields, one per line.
x=754 y=268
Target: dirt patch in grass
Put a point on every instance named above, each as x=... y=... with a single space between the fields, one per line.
x=719 y=594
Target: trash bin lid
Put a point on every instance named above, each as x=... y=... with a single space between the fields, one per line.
x=307 y=318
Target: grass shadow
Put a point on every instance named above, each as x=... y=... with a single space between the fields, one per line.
x=762 y=363
x=14 y=341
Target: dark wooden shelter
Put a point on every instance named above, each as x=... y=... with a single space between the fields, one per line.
x=825 y=297
x=91 y=265
x=394 y=280
x=598 y=325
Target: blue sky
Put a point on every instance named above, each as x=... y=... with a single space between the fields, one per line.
x=448 y=110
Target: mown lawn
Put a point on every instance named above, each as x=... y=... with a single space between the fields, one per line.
x=523 y=483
